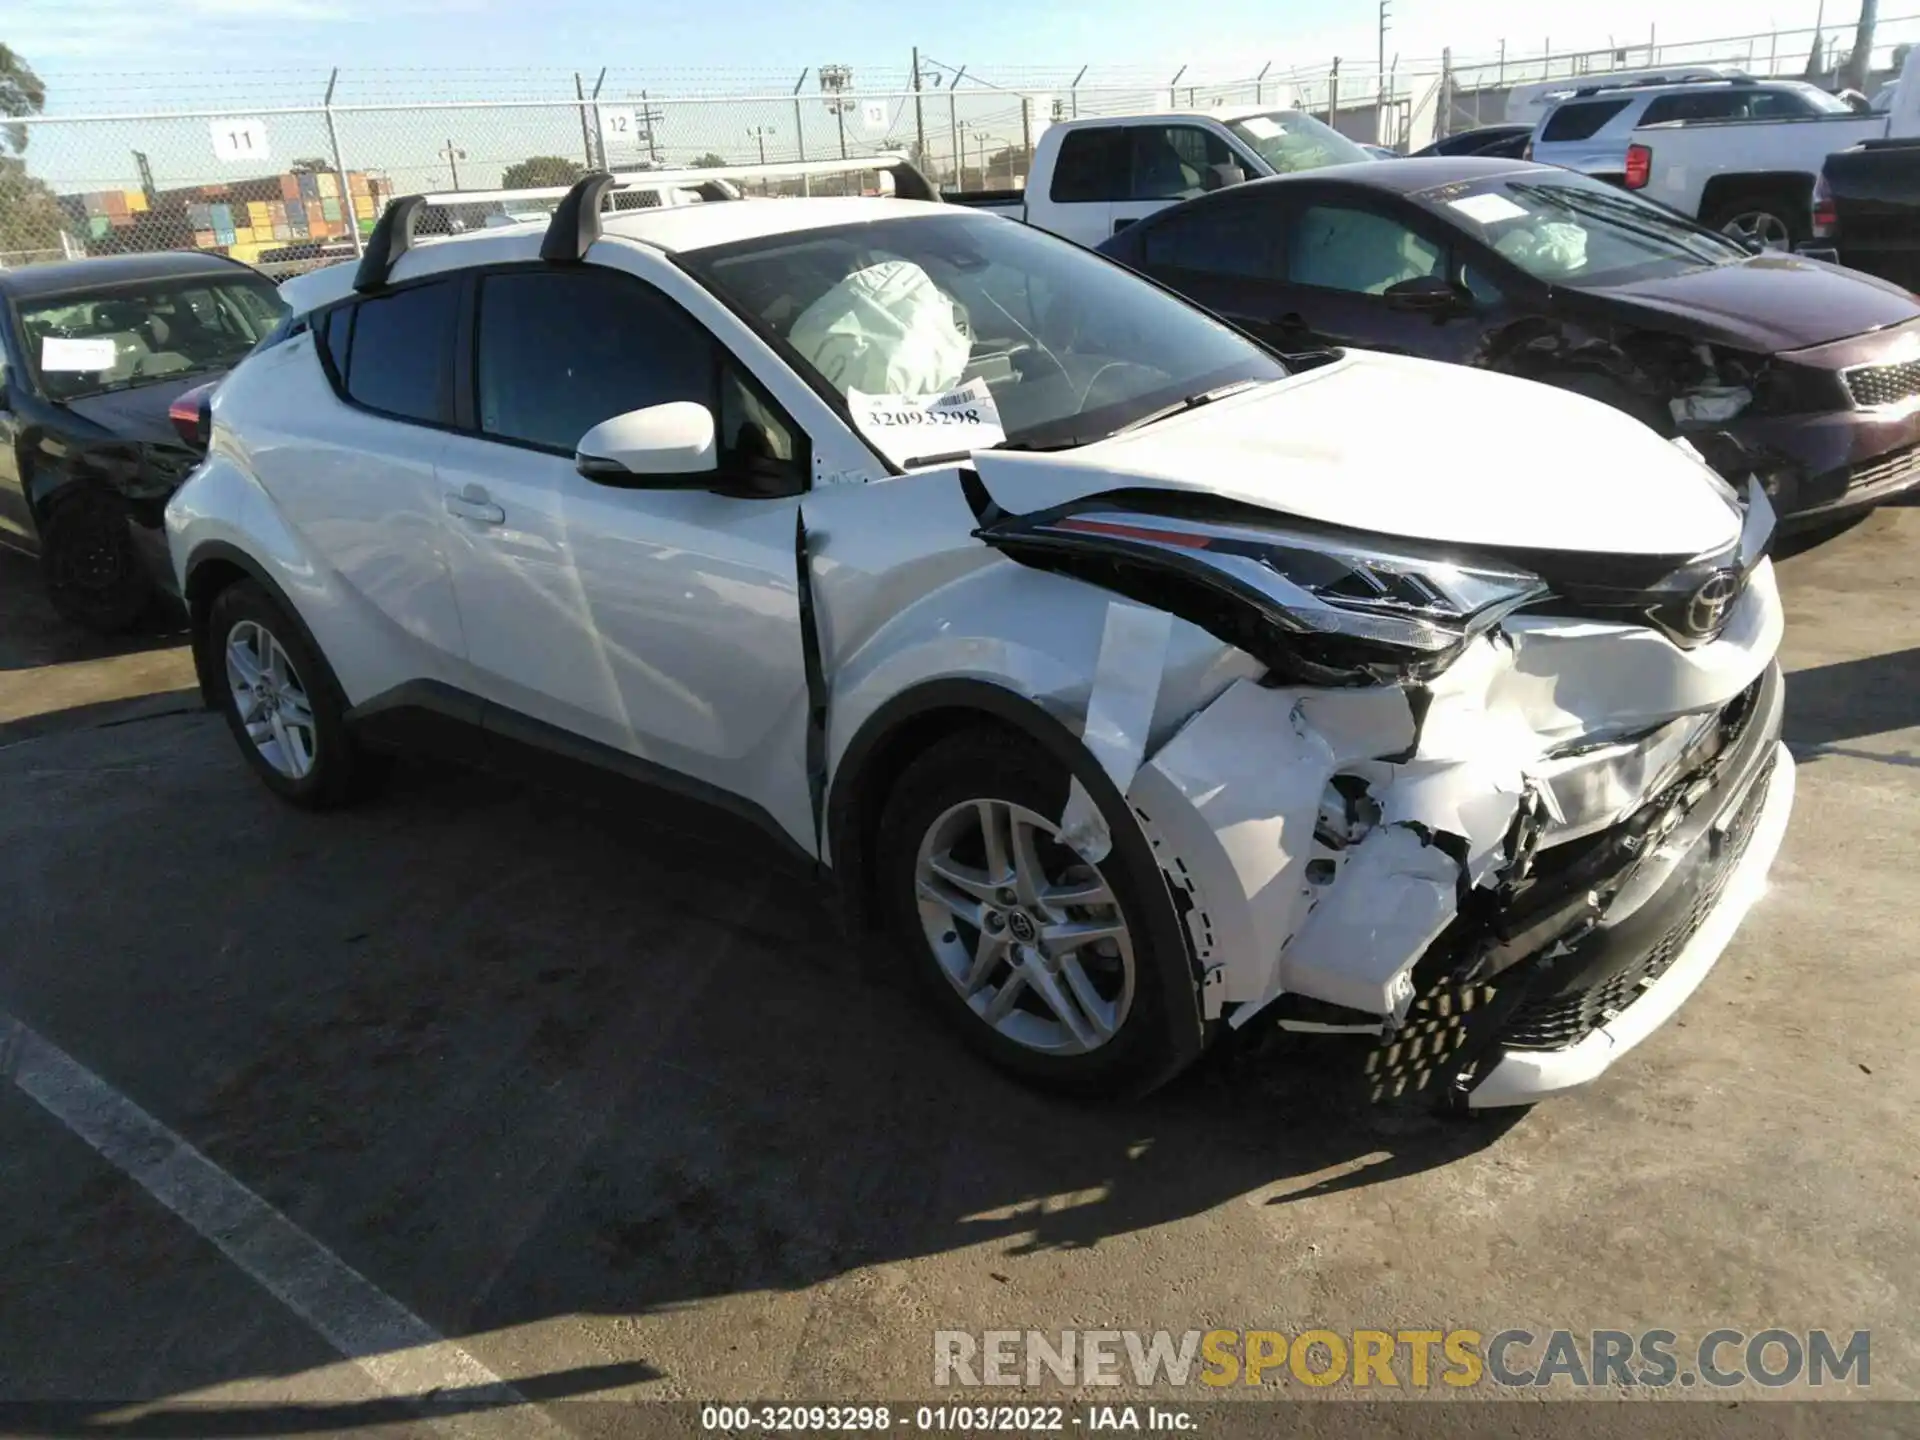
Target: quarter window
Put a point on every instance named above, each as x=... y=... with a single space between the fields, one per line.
x=1580 y=120
x=397 y=361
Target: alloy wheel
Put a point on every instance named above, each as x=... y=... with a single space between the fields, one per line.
x=1028 y=933
x=1759 y=227
x=271 y=700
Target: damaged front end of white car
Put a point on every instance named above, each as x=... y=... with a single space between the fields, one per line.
x=1502 y=808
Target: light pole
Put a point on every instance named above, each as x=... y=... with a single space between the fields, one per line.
x=760 y=133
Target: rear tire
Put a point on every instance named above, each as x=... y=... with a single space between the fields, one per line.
x=1131 y=1015
x=282 y=702
x=93 y=573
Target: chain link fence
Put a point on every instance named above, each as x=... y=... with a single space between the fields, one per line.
x=286 y=187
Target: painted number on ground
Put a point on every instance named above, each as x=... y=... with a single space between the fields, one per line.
x=239 y=141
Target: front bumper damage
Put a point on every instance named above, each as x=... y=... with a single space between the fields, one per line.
x=1511 y=873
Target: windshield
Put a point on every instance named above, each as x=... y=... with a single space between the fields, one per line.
x=1289 y=141
x=1067 y=346
x=1567 y=229
x=85 y=344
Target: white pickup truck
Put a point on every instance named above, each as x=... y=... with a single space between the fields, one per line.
x=1754 y=178
x=1092 y=178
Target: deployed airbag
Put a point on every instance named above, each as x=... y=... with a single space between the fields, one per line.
x=885 y=330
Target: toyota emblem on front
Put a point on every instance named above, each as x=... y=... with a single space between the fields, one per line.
x=1707 y=610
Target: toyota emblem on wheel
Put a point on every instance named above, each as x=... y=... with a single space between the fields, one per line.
x=1707 y=610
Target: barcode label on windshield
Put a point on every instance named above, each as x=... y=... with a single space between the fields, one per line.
x=904 y=427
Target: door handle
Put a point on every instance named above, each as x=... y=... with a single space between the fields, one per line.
x=474 y=505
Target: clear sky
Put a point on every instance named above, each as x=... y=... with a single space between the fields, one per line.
x=165 y=53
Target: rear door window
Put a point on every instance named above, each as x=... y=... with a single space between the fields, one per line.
x=397 y=358
x=1091 y=166
x=1580 y=119
x=1700 y=105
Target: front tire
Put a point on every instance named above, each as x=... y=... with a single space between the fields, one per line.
x=1066 y=973
x=93 y=575
x=282 y=702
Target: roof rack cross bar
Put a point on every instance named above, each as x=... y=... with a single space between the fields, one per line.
x=392 y=237
x=576 y=220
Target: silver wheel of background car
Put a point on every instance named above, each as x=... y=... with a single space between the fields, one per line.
x=271 y=700
x=1760 y=227
x=1026 y=931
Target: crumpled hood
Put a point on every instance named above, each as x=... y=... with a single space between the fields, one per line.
x=1396 y=446
x=141 y=412
x=1770 y=303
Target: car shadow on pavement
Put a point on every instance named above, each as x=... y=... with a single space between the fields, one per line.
x=32 y=634
x=531 y=1061
x=1851 y=699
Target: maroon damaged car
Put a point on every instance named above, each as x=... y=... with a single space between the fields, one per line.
x=1799 y=372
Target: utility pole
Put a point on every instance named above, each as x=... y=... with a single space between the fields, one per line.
x=1380 y=76
x=953 y=124
x=760 y=133
x=800 y=131
x=919 y=114
x=835 y=81
x=454 y=156
x=646 y=118
x=586 y=133
x=1854 y=77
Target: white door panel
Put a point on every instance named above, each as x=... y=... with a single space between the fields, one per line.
x=664 y=623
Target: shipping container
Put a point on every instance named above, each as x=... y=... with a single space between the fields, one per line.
x=200 y=215
x=329 y=183
x=331 y=209
x=282 y=230
x=296 y=212
x=213 y=192
x=222 y=216
x=259 y=212
x=98 y=225
x=357 y=183
x=203 y=239
x=93 y=203
x=309 y=186
x=137 y=201
x=297 y=223
x=363 y=207
x=289 y=187
x=114 y=202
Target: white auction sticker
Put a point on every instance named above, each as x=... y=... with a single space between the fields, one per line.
x=1489 y=209
x=908 y=427
x=61 y=353
x=239 y=141
x=1262 y=127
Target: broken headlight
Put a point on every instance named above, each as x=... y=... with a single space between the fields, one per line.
x=1327 y=604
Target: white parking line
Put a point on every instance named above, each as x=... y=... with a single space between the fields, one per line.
x=402 y=1354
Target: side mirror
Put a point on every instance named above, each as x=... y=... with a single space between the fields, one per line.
x=1424 y=295
x=1219 y=177
x=671 y=446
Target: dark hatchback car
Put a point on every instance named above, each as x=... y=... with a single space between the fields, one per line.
x=93 y=356
x=1799 y=372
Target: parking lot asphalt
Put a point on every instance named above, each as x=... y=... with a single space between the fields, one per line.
x=612 y=1111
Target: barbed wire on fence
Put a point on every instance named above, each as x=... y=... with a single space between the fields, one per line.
x=293 y=167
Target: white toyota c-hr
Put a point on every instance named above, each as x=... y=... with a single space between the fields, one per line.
x=1126 y=680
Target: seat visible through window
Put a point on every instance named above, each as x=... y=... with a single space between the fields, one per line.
x=1355 y=250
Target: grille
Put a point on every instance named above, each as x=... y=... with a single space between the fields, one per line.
x=1885 y=472
x=1884 y=384
x=1557 y=1021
